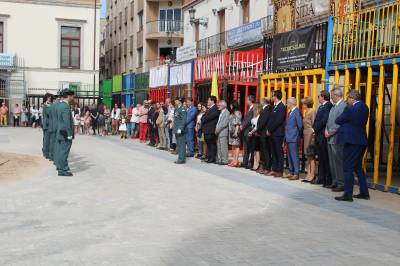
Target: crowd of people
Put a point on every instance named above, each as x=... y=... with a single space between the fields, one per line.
x=334 y=135
x=21 y=116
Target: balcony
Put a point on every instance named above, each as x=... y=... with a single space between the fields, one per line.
x=164 y=29
x=369 y=34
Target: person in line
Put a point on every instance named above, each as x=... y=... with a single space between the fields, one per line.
x=308 y=138
x=135 y=121
x=65 y=133
x=179 y=130
x=87 y=122
x=293 y=129
x=24 y=116
x=77 y=120
x=209 y=122
x=48 y=100
x=17 y=111
x=170 y=124
x=129 y=122
x=335 y=150
x=254 y=140
x=100 y=120
x=222 y=133
x=52 y=127
x=265 y=146
x=245 y=129
x=162 y=145
x=143 y=111
x=3 y=115
x=115 y=117
x=324 y=176
x=235 y=121
x=94 y=115
x=122 y=127
x=201 y=109
x=107 y=121
x=276 y=132
x=123 y=112
x=40 y=113
x=352 y=134
x=151 y=124
x=190 y=125
x=34 y=116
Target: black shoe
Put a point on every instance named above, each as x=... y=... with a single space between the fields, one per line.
x=344 y=198
x=199 y=156
x=331 y=186
x=223 y=164
x=210 y=161
x=179 y=162
x=65 y=174
x=189 y=156
x=361 y=196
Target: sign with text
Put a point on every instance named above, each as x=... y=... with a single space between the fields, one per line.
x=308 y=9
x=245 y=34
x=186 y=53
x=284 y=15
x=7 y=60
x=294 y=49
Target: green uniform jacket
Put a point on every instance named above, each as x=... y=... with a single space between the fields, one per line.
x=46 y=111
x=180 y=120
x=64 y=121
x=52 y=111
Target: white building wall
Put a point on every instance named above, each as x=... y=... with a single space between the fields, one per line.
x=32 y=32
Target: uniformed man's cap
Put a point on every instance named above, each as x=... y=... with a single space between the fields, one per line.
x=67 y=92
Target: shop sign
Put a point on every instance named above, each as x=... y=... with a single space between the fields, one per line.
x=245 y=34
x=186 y=53
x=294 y=49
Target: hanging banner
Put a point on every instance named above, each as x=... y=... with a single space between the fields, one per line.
x=158 y=76
x=309 y=9
x=284 y=15
x=342 y=8
x=180 y=74
x=186 y=53
x=245 y=34
x=294 y=49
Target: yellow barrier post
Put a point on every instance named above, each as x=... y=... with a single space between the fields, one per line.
x=269 y=89
x=298 y=91
x=314 y=92
x=283 y=90
x=392 y=126
x=305 y=86
x=357 y=85
x=368 y=96
x=337 y=76
x=346 y=81
x=290 y=87
x=262 y=90
x=378 y=124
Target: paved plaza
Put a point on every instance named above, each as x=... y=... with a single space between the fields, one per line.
x=128 y=204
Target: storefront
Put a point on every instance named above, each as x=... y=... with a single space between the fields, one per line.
x=141 y=87
x=364 y=55
x=180 y=80
x=158 y=83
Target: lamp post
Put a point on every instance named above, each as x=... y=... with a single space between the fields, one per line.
x=94 y=51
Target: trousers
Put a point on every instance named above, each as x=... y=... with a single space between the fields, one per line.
x=162 y=139
x=352 y=164
x=52 y=143
x=277 y=153
x=181 y=147
x=63 y=148
x=265 y=151
x=46 y=143
x=222 y=150
x=211 y=140
x=190 y=141
x=293 y=156
x=335 y=154
x=143 y=131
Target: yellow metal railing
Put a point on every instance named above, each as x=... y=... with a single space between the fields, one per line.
x=372 y=33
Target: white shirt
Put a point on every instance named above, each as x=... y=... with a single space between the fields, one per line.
x=34 y=112
x=254 y=121
x=135 y=117
x=116 y=115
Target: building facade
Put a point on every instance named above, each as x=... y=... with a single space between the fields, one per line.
x=48 y=45
x=141 y=34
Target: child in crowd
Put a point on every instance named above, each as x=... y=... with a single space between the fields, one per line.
x=77 y=122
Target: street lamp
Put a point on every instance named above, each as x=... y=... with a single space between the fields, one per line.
x=194 y=20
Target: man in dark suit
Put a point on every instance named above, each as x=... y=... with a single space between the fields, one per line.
x=209 y=122
x=190 y=124
x=353 y=136
x=324 y=176
x=276 y=130
x=245 y=129
x=265 y=149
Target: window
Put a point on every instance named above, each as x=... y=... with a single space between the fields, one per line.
x=170 y=20
x=1 y=37
x=70 y=47
x=140 y=18
x=140 y=57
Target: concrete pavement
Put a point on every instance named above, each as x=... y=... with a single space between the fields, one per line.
x=128 y=204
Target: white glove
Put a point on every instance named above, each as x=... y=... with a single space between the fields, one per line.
x=69 y=138
x=179 y=131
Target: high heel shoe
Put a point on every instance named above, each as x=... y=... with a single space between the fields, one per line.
x=234 y=164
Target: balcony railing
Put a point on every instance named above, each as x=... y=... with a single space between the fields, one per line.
x=164 y=26
x=218 y=42
x=372 y=33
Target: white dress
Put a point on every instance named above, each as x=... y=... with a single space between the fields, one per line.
x=122 y=127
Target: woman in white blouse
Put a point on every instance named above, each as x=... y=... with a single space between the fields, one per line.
x=115 y=117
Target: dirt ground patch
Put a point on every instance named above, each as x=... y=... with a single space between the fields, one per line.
x=14 y=167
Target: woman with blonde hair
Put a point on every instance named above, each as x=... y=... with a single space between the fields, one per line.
x=308 y=133
x=254 y=139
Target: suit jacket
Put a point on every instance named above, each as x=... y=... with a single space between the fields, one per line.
x=45 y=122
x=64 y=121
x=179 y=120
x=191 y=117
x=276 y=123
x=320 y=121
x=352 y=123
x=209 y=120
x=294 y=125
x=222 y=129
x=263 y=120
x=246 y=123
x=53 y=123
x=331 y=126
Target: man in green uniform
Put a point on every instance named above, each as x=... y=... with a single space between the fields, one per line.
x=48 y=99
x=179 y=130
x=52 y=120
x=64 y=132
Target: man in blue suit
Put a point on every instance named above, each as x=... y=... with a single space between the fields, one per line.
x=324 y=176
x=190 y=125
x=276 y=130
x=353 y=136
x=293 y=127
